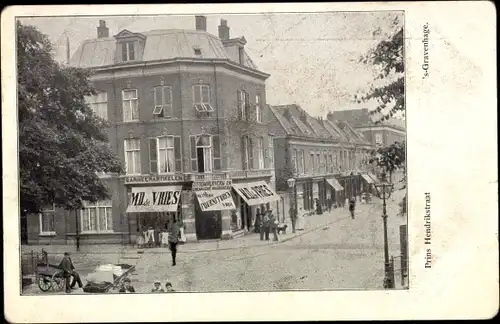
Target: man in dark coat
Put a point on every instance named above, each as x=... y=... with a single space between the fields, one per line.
x=173 y=239
x=68 y=268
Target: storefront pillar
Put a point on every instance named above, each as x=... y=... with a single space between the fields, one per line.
x=188 y=217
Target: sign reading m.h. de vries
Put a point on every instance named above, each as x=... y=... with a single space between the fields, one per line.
x=153 y=199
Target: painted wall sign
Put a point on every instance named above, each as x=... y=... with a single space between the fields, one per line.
x=215 y=200
x=256 y=193
x=154 y=178
x=154 y=199
x=212 y=185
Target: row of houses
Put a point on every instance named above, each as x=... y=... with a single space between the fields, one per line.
x=187 y=114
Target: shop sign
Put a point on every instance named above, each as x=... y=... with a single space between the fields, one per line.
x=154 y=199
x=212 y=185
x=153 y=178
x=256 y=193
x=214 y=195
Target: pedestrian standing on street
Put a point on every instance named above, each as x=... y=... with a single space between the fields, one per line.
x=262 y=226
x=173 y=239
x=352 y=207
x=126 y=288
x=68 y=269
x=273 y=224
x=266 y=224
x=257 y=221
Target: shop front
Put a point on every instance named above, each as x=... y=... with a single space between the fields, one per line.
x=213 y=206
x=253 y=195
x=153 y=209
x=337 y=194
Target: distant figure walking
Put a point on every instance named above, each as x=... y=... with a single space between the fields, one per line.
x=257 y=221
x=173 y=239
x=352 y=206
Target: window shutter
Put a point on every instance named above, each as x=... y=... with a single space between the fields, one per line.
x=167 y=102
x=131 y=51
x=124 y=52
x=178 y=154
x=197 y=94
x=244 y=152
x=250 y=153
x=153 y=156
x=238 y=99
x=216 y=152
x=247 y=106
x=194 y=160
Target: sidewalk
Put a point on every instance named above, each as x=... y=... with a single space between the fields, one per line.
x=311 y=223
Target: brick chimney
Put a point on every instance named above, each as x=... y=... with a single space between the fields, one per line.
x=223 y=30
x=201 y=23
x=102 y=30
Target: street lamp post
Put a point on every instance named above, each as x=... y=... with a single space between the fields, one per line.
x=293 y=214
x=384 y=191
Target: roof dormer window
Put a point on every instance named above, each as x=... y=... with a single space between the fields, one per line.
x=197 y=51
x=128 y=51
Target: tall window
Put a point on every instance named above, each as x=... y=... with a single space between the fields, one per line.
x=331 y=163
x=241 y=55
x=318 y=163
x=243 y=104
x=99 y=104
x=300 y=158
x=294 y=161
x=258 y=111
x=97 y=217
x=325 y=163
x=47 y=220
x=133 y=156
x=163 y=101
x=128 y=53
x=201 y=98
x=260 y=152
x=312 y=163
x=247 y=153
x=270 y=154
x=168 y=149
x=346 y=160
x=130 y=105
x=205 y=153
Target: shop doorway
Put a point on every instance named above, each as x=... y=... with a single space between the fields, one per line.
x=208 y=223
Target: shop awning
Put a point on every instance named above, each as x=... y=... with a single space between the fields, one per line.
x=335 y=184
x=215 y=200
x=256 y=193
x=367 y=178
x=154 y=199
x=374 y=177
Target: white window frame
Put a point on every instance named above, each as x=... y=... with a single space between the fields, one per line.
x=295 y=164
x=242 y=104
x=127 y=46
x=131 y=100
x=40 y=219
x=260 y=153
x=258 y=110
x=126 y=150
x=202 y=105
x=95 y=104
x=207 y=149
x=159 y=110
x=168 y=150
x=97 y=205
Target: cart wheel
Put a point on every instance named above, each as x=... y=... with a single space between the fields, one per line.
x=58 y=280
x=44 y=283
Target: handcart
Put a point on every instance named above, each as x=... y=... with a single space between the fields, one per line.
x=49 y=276
x=106 y=286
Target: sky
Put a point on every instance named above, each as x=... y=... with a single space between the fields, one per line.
x=313 y=58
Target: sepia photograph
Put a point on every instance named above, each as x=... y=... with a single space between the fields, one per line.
x=235 y=156
x=212 y=153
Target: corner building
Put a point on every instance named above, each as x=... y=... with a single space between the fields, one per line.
x=187 y=116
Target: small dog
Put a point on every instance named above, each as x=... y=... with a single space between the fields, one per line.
x=281 y=228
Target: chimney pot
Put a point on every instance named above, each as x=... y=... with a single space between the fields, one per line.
x=223 y=30
x=102 y=30
x=201 y=23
